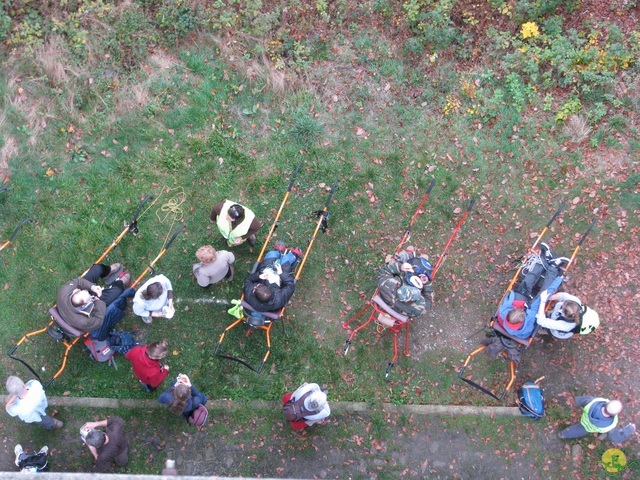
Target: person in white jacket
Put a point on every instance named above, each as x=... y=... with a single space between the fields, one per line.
x=154 y=299
x=568 y=316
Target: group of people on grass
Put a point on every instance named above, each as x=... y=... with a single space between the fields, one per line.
x=87 y=307
x=404 y=284
x=524 y=308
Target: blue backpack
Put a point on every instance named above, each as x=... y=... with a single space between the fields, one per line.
x=531 y=400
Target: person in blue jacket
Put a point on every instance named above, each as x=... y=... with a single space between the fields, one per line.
x=543 y=272
x=182 y=397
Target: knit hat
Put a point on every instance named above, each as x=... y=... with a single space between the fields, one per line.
x=613 y=407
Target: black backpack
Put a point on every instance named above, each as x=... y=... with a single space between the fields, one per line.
x=34 y=463
x=294 y=410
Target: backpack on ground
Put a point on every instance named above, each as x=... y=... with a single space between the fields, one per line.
x=122 y=342
x=34 y=463
x=531 y=400
x=294 y=410
x=199 y=416
x=100 y=350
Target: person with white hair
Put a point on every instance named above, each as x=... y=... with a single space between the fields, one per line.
x=310 y=403
x=599 y=415
x=28 y=402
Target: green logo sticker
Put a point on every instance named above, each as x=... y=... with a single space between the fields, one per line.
x=614 y=462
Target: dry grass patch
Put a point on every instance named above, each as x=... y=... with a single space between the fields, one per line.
x=130 y=99
x=576 y=129
x=51 y=59
x=9 y=149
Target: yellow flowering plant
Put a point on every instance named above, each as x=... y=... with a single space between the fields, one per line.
x=530 y=29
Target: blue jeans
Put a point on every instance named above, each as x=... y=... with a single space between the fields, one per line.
x=113 y=314
x=288 y=257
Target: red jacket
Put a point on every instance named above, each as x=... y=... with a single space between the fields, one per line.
x=146 y=369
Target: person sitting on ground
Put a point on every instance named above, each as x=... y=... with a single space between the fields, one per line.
x=214 y=266
x=271 y=285
x=401 y=289
x=236 y=223
x=145 y=360
x=91 y=308
x=422 y=268
x=182 y=397
x=568 y=316
x=314 y=406
x=517 y=312
x=154 y=299
x=599 y=415
x=28 y=402
x=107 y=447
x=31 y=462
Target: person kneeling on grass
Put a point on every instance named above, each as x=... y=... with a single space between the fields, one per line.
x=154 y=299
x=145 y=360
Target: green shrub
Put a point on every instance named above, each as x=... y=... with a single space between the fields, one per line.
x=175 y=20
x=130 y=36
x=5 y=26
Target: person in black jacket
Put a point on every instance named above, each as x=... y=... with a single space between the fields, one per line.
x=271 y=285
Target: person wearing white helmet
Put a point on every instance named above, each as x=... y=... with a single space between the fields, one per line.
x=599 y=415
x=569 y=316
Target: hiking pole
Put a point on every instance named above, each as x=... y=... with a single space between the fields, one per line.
x=15 y=232
x=322 y=223
x=132 y=227
x=276 y=221
x=407 y=233
x=164 y=249
x=445 y=252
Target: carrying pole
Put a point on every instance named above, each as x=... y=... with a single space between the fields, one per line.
x=165 y=247
x=132 y=227
x=322 y=223
x=445 y=252
x=407 y=233
x=276 y=221
x=15 y=232
x=535 y=244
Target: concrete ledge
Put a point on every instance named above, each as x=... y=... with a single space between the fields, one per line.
x=110 y=476
x=336 y=407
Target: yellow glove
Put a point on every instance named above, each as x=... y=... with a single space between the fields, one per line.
x=236 y=310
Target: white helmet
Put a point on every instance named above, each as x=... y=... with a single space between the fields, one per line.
x=590 y=321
